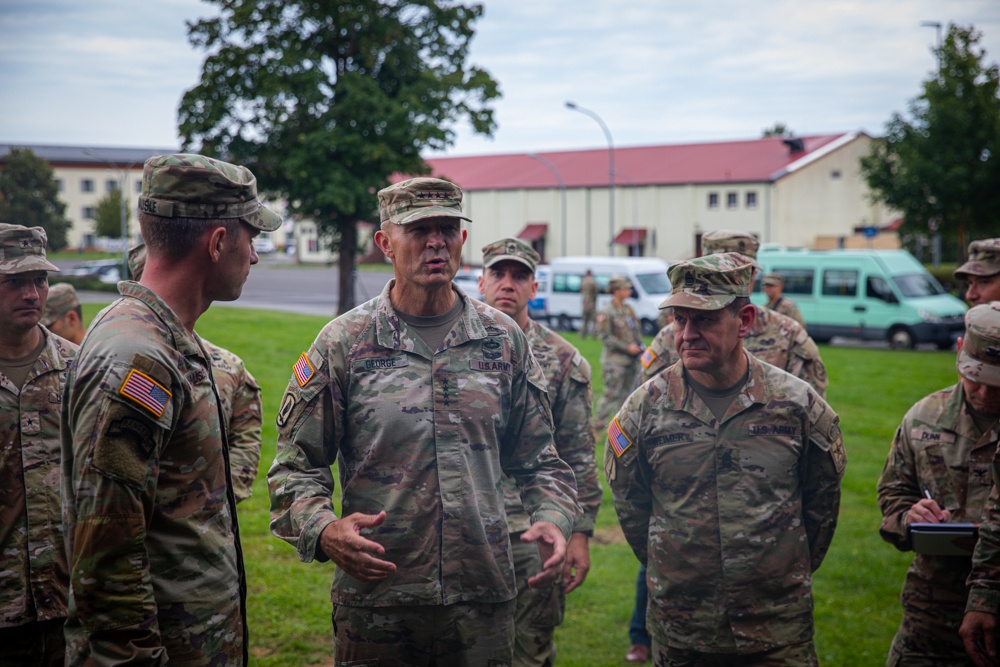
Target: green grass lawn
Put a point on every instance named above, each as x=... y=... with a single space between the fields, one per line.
x=857 y=606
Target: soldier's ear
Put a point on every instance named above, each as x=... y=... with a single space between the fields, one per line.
x=216 y=241
x=384 y=243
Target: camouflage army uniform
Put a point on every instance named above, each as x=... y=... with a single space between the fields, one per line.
x=588 y=293
x=788 y=308
x=240 y=397
x=738 y=511
x=938 y=449
x=155 y=563
x=567 y=376
x=774 y=338
x=617 y=327
x=414 y=432
x=32 y=554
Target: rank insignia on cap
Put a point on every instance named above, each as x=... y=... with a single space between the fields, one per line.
x=616 y=436
x=648 y=357
x=145 y=391
x=303 y=370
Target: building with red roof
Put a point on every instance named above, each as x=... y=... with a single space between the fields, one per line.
x=802 y=191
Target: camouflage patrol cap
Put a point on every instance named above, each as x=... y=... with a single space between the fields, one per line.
x=618 y=282
x=984 y=259
x=137 y=260
x=773 y=279
x=22 y=249
x=185 y=185
x=710 y=282
x=511 y=249
x=418 y=198
x=729 y=240
x=62 y=299
x=979 y=360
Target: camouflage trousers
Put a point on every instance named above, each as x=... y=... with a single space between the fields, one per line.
x=619 y=381
x=588 y=324
x=928 y=634
x=40 y=643
x=794 y=655
x=539 y=610
x=464 y=634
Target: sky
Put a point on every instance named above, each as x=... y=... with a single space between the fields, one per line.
x=112 y=72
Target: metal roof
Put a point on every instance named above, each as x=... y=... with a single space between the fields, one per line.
x=754 y=160
x=88 y=155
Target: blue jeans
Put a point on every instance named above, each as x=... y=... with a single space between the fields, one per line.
x=637 y=632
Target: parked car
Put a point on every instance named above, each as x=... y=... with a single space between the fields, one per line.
x=868 y=294
x=264 y=244
x=106 y=270
x=468 y=281
x=538 y=307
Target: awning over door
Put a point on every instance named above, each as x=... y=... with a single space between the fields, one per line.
x=630 y=236
x=534 y=231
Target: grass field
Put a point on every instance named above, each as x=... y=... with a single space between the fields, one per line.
x=857 y=607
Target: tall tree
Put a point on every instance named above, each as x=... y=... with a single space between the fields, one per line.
x=941 y=166
x=108 y=216
x=324 y=100
x=29 y=196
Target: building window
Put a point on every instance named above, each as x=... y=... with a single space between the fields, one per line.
x=138 y=186
x=751 y=200
x=835 y=174
x=59 y=184
x=732 y=200
x=713 y=200
x=88 y=212
x=87 y=185
x=110 y=185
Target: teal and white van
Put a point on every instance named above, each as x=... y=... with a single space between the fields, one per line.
x=868 y=294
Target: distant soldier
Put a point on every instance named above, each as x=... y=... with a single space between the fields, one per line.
x=63 y=313
x=240 y=396
x=588 y=292
x=621 y=335
x=725 y=474
x=156 y=565
x=938 y=470
x=508 y=283
x=774 y=287
x=981 y=272
x=774 y=338
x=33 y=367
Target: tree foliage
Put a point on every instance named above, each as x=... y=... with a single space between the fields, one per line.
x=29 y=196
x=325 y=100
x=107 y=216
x=941 y=166
x=777 y=130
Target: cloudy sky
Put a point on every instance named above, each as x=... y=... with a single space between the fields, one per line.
x=111 y=72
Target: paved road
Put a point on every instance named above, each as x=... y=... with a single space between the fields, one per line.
x=275 y=284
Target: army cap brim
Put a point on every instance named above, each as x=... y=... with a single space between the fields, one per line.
x=508 y=258
x=27 y=263
x=977 y=268
x=698 y=301
x=428 y=212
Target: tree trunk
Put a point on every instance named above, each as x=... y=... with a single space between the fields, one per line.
x=348 y=252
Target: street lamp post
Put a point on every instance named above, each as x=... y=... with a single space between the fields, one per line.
x=611 y=170
x=934 y=224
x=562 y=192
x=122 y=187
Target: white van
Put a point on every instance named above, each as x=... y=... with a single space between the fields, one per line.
x=564 y=305
x=869 y=294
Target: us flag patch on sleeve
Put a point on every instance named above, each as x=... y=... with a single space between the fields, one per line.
x=616 y=436
x=303 y=370
x=648 y=357
x=145 y=391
